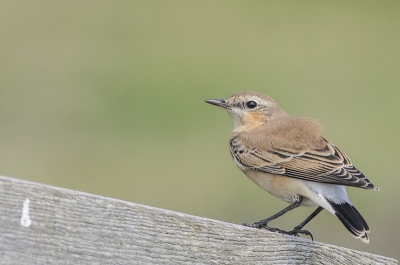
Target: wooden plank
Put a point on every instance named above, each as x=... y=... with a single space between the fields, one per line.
x=41 y=224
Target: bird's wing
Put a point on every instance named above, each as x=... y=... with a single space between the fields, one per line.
x=326 y=165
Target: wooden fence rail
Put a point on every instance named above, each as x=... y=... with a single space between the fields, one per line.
x=41 y=224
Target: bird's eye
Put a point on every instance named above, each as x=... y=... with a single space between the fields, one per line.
x=251 y=104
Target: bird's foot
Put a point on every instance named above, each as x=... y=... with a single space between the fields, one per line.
x=264 y=224
x=295 y=232
x=259 y=225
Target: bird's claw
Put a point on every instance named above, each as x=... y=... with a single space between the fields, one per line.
x=258 y=225
x=264 y=225
x=294 y=232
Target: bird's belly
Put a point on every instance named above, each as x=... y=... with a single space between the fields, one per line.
x=285 y=188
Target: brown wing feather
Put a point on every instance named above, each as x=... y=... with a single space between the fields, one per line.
x=326 y=165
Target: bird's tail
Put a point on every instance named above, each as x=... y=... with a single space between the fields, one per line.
x=352 y=220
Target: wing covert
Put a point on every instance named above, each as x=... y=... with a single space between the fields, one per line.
x=325 y=165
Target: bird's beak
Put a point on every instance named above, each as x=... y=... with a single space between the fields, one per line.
x=219 y=102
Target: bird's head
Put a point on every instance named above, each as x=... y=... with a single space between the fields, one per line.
x=249 y=109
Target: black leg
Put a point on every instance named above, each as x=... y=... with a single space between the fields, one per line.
x=297 y=229
x=317 y=211
x=264 y=223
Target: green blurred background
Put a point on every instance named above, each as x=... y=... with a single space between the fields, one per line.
x=107 y=97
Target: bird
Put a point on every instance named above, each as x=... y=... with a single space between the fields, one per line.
x=288 y=157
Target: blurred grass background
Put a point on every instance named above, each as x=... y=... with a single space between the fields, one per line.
x=107 y=97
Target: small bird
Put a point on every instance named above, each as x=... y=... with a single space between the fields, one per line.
x=289 y=158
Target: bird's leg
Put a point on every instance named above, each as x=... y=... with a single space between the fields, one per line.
x=298 y=229
x=264 y=223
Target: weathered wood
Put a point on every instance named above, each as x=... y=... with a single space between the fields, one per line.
x=40 y=224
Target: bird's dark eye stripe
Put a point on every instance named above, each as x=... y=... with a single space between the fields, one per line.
x=251 y=104
x=239 y=105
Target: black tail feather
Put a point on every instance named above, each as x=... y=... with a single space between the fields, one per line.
x=352 y=220
x=362 y=219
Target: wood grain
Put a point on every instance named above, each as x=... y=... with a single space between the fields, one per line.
x=41 y=224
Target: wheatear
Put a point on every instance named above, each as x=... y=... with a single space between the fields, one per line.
x=288 y=157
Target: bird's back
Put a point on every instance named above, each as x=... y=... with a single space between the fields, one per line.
x=287 y=132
